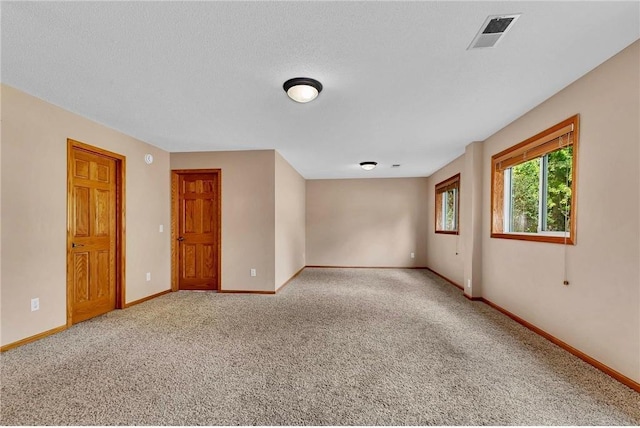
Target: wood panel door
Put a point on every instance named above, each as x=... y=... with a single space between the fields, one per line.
x=197 y=235
x=92 y=243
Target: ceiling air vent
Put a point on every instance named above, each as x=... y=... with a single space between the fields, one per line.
x=492 y=30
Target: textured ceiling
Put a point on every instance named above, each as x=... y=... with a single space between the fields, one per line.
x=400 y=85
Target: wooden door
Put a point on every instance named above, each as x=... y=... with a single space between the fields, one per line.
x=92 y=234
x=198 y=230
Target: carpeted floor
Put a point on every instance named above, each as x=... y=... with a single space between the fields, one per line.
x=335 y=347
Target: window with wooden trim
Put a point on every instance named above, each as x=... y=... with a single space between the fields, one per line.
x=447 y=205
x=533 y=187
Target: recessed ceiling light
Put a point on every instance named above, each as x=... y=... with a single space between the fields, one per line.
x=302 y=89
x=368 y=166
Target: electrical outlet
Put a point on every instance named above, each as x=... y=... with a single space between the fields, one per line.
x=161 y=228
x=468 y=283
x=35 y=304
x=253 y=272
x=148 y=276
x=413 y=255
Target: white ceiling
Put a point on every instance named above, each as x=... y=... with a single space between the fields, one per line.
x=400 y=85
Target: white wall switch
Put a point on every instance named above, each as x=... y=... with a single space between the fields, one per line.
x=148 y=276
x=35 y=304
x=253 y=272
x=161 y=228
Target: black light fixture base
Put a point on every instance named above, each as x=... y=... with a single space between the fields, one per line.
x=307 y=81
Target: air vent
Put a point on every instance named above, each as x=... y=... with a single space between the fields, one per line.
x=395 y=165
x=492 y=30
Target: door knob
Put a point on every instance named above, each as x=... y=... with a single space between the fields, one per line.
x=74 y=245
x=181 y=239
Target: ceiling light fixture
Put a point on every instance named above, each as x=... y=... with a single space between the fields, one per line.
x=368 y=166
x=302 y=89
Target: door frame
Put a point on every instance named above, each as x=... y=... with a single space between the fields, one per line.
x=120 y=257
x=175 y=213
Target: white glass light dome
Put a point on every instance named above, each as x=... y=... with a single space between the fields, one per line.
x=302 y=93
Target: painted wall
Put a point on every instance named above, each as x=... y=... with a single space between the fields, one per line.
x=34 y=211
x=367 y=222
x=248 y=214
x=445 y=253
x=599 y=312
x=290 y=190
x=1 y=135
x=472 y=217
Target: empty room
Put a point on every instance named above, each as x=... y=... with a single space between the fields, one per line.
x=320 y=213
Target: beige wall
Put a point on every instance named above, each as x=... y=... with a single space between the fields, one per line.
x=34 y=211
x=1 y=135
x=472 y=219
x=599 y=312
x=248 y=214
x=367 y=222
x=445 y=252
x=290 y=220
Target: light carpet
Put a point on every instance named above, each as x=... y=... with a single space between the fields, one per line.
x=334 y=347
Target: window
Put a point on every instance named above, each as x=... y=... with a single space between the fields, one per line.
x=534 y=186
x=447 y=205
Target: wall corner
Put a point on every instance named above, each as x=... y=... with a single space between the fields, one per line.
x=472 y=218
